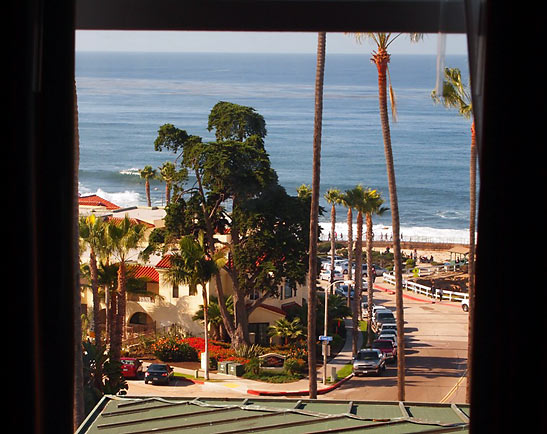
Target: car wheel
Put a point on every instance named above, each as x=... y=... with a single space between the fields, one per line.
x=465 y=308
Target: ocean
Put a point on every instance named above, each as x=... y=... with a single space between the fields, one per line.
x=123 y=98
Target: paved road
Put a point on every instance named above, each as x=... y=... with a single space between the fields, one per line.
x=436 y=355
x=436 y=360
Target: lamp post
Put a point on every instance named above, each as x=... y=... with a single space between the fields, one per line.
x=325 y=323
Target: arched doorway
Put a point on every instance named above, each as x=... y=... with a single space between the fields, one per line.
x=141 y=323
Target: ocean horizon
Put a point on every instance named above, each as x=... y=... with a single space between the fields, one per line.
x=123 y=98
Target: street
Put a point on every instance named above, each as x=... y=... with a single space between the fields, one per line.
x=436 y=355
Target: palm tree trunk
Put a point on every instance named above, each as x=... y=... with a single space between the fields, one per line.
x=471 y=266
x=381 y=59
x=350 y=249
x=314 y=215
x=206 y=331
x=147 y=186
x=358 y=282
x=167 y=193
x=370 y=290
x=95 y=295
x=332 y=242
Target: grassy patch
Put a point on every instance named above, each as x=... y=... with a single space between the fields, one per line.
x=272 y=377
x=344 y=371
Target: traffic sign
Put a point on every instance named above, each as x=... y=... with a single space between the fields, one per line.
x=325 y=338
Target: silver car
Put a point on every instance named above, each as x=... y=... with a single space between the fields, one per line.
x=369 y=361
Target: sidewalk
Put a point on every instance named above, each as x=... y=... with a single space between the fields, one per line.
x=296 y=388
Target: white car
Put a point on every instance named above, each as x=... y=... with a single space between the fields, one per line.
x=465 y=305
x=325 y=275
x=388 y=326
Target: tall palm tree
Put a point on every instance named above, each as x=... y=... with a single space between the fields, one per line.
x=147 y=173
x=373 y=206
x=122 y=238
x=333 y=197
x=356 y=198
x=314 y=213
x=348 y=201
x=92 y=232
x=456 y=95
x=381 y=58
x=192 y=266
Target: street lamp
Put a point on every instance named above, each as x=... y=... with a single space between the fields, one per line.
x=325 y=323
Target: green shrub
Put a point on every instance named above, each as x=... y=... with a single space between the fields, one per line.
x=253 y=366
x=293 y=367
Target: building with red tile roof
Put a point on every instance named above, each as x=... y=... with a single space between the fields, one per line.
x=94 y=201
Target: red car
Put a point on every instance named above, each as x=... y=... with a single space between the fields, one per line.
x=131 y=367
x=387 y=347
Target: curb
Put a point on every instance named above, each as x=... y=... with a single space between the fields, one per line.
x=300 y=392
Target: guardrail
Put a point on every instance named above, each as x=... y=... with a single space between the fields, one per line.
x=426 y=290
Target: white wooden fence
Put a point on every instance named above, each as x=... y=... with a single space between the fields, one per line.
x=426 y=290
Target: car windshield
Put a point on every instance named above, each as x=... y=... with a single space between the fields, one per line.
x=128 y=362
x=368 y=355
x=382 y=344
x=155 y=367
x=385 y=315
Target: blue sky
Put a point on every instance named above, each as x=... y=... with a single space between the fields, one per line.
x=87 y=40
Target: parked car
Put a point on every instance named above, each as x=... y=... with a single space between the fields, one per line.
x=131 y=367
x=342 y=290
x=325 y=275
x=387 y=332
x=390 y=337
x=386 y=346
x=379 y=271
x=382 y=316
x=158 y=373
x=465 y=305
x=369 y=360
x=388 y=326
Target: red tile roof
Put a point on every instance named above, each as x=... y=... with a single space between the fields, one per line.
x=94 y=200
x=132 y=220
x=149 y=273
x=164 y=262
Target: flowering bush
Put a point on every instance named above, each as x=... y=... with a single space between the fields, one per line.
x=173 y=349
x=178 y=349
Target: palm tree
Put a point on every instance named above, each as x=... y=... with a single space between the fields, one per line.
x=333 y=197
x=107 y=279
x=92 y=231
x=214 y=316
x=348 y=201
x=371 y=205
x=169 y=174
x=456 y=95
x=356 y=198
x=122 y=238
x=314 y=213
x=192 y=266
x=381 y=58
x=147 y=173
x=287 y=330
